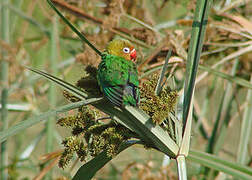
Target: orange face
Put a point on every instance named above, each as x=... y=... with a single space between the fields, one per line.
x=130 y=53
x=122 y=48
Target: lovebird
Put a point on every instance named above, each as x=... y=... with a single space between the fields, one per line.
x=117 y=74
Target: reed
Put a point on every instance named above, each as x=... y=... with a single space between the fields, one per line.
x=5 y=36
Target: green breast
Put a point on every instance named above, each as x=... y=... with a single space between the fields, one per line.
x=118 y=80
x=115 y=70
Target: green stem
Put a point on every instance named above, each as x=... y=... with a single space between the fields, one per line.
x=196 y=43
x=80 y=35
x=162 y=74
x=52 y=90
x=143 y=24
x=14 y=19
x=246 y=127
x=4 y=83
x=225 y=112
x=195 y=46
x=29 y=19
x=21 y=126
x=181 y=165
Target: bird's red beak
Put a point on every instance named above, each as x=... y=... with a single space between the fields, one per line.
x=133 y=55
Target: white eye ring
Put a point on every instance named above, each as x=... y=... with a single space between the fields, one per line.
x=126 y=50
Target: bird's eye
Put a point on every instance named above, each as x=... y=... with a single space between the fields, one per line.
x=126 y=50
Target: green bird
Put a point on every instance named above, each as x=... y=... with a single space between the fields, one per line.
x=117 y=74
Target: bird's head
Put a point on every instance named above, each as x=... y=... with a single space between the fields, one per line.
x=122 y=48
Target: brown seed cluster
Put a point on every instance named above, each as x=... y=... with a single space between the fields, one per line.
x=157 y=106
x=91 y=137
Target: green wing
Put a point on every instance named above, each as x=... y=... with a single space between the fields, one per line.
x=118 y=80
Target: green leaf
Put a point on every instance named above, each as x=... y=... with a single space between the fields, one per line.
x=219 y=131
x=74 y=90
x=214 y=162
x=43 y=117
x=162 y=74
x=80 y=35
x=155 y=133
x=4 y=75
x=225 y=111
x=31 y=146
x=88 y=170
x=30 y=20
x=234 y=79
x=195 y=46
x=246 y=127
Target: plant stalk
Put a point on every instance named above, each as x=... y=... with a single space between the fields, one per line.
x=52 y=90
x=4 y=84
x=83 y=38
x=181 y=165
x=195 y=47
x=246 y=127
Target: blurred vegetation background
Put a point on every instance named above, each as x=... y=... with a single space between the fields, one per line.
x=32 y=35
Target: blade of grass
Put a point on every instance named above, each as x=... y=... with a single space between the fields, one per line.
x=185 y=144
x=201 y=129
x=152 y=53
x=17 y=4
x=80 y=35
x=219 y=131
x=19 y=107
x=234 y=79
x=52 y=96
x=75 y=91
x=226 y=59
x=195 y=47
x=30 y=20
x=238 y=44
x=245 y=132
x=43 y=117
x=162 y=74
x=31 y=146
x=143 y=24
x=232 y=5
x=147 y=73
x=88 y=170
x=212 y=139
x=196 y=43
x=132 y=39
x=206 y=104
x=166 y=25
x=225 y=110
x=5 y=36
x=156 y=134
x=232 y=168
x=222 y=110
x=232 y=30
